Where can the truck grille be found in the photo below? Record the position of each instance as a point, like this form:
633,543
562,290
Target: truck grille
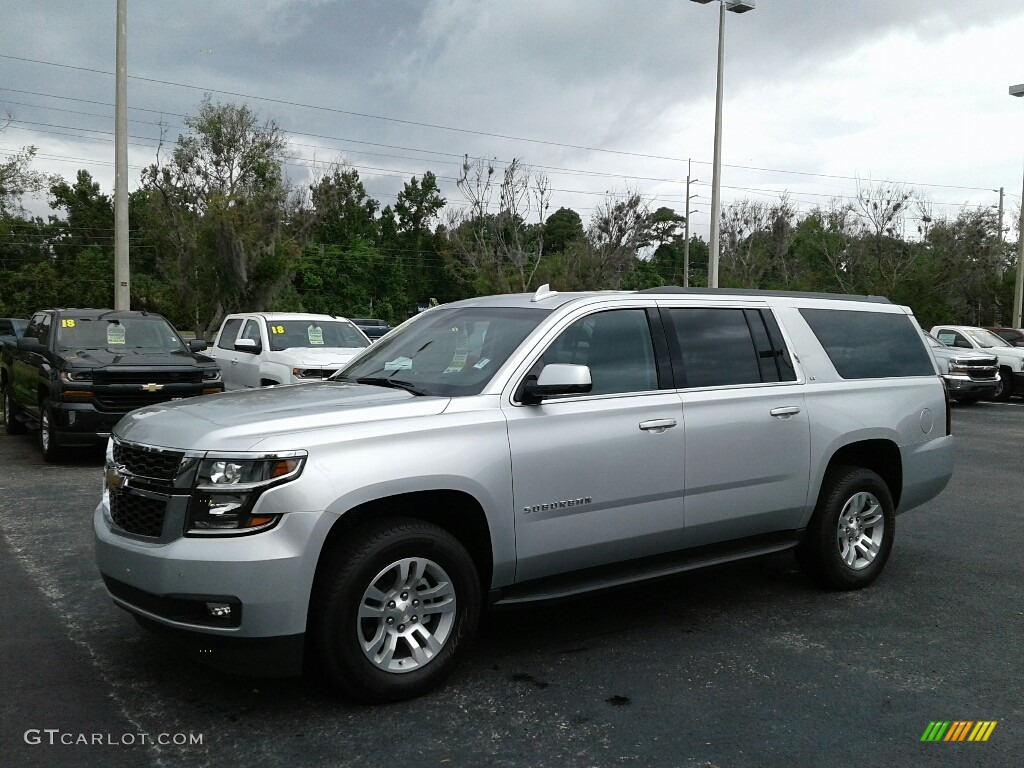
140,515
976,368
149,376
150,463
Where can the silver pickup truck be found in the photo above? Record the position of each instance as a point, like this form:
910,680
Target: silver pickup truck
518,448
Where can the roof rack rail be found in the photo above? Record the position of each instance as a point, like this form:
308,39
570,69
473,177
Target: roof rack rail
761,292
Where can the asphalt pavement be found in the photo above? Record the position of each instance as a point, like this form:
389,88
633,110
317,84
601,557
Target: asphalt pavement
742,665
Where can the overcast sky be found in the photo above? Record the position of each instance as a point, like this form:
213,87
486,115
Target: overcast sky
603,96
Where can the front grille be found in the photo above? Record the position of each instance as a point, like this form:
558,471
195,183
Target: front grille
148,462
977,368
150,376
140,515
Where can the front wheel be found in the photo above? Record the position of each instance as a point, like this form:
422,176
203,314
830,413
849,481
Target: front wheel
848,540
393,609
47,433
1004,387
11,423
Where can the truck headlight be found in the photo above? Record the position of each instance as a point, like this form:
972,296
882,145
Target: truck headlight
76,376
227,489
211,375
307,373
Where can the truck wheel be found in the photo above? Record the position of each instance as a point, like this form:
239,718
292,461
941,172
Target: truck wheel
11,423
1004,387
393,609
848,540
47,436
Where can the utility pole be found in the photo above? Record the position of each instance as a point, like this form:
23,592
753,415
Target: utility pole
1000,216
686,244
122,292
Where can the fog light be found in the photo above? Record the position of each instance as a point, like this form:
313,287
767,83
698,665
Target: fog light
219,610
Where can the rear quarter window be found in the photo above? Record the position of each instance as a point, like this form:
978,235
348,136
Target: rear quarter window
870,345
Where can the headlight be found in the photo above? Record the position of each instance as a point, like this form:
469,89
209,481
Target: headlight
227,490
79,376
307,373
211,374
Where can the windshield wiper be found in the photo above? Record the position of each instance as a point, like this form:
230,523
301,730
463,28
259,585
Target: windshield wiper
380,381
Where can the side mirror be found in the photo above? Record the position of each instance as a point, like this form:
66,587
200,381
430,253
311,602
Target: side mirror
30,344
557,379
197,345
248,345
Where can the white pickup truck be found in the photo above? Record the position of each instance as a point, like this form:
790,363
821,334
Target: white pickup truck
263,349
1011,358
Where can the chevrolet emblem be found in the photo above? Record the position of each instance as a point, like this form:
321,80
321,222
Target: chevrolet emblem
152,387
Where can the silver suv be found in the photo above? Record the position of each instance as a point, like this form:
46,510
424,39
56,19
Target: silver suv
510,449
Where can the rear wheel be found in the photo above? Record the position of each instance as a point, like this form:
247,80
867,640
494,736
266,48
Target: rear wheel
47,433
849,538
393,610
11,423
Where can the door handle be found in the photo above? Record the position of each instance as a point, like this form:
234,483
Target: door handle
657,425
785,411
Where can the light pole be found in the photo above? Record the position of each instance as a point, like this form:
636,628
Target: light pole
736,6
1018,90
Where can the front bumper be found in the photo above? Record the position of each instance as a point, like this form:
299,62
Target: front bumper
266,578
964,387
80,424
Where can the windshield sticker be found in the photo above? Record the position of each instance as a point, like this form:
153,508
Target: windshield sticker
277,330
69,323
316,334
482,364
115,333
461,353
398,364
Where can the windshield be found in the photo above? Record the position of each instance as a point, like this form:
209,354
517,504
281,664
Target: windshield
19,327
149,333
985,338
316,334
447,352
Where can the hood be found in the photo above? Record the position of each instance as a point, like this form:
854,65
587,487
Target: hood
326,357
104,358
239,420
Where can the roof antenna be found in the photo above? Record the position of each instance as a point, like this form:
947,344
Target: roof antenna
544,292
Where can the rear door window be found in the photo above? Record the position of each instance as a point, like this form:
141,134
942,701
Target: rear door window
718,347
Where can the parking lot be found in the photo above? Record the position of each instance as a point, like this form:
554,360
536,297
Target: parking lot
742,665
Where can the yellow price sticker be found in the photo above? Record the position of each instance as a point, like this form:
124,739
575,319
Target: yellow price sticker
277,329
69,323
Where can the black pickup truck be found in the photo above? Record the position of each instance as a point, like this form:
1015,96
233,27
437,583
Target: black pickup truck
76,372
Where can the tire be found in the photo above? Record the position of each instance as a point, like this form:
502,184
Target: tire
850,536
394,607
11,423
1004,389
47,434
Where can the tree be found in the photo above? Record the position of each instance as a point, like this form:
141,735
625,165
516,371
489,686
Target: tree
87,221
501,250
17,178
222,197
756,238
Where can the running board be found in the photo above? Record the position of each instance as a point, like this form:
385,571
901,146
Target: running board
646,569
